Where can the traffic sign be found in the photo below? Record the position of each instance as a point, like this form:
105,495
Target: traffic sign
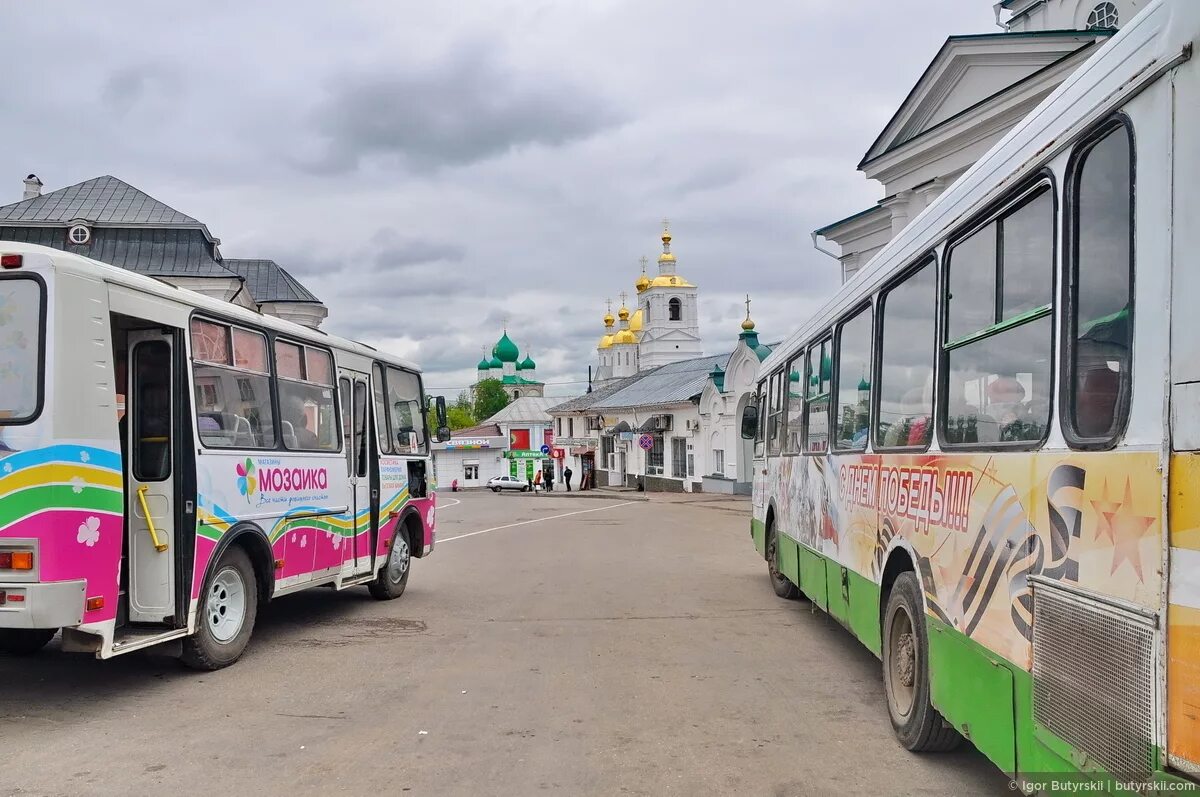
646,442
545,449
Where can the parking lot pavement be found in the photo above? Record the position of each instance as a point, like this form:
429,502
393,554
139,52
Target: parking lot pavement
564,645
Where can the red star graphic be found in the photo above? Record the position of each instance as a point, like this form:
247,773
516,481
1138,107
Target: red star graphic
1128,531
1105,509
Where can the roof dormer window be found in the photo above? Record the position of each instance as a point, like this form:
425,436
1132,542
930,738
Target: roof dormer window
1103,17
79,234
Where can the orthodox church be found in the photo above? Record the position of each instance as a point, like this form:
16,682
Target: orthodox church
664,328
518,376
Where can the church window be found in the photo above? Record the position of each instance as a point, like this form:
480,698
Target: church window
675,309
1103,17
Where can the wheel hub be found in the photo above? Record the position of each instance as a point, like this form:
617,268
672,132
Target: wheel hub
906,660
398,560
226,606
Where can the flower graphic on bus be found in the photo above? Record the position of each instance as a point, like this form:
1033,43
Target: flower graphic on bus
89,532
247,482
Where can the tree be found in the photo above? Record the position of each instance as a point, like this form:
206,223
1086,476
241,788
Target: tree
459,418
490,398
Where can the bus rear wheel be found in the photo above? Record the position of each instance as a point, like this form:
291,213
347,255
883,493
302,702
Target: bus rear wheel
25,641
228,608
917,724
779,582
393,578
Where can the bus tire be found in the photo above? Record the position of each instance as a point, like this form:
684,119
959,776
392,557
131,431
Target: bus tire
389,584
228,609
24,641
779,582
917,724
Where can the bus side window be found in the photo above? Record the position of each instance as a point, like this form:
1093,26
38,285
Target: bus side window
816,411
760,400
907,340
1100,338
854,382
999,320
794,391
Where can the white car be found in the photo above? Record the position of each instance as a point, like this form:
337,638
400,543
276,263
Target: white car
498,483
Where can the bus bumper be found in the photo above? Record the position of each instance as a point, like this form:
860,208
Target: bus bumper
56,604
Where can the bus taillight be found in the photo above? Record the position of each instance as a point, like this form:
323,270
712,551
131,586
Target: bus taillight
16,560
11,261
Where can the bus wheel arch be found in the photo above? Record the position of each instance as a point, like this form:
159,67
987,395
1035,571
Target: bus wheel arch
904,638
392,578
228,608
780,583
253,540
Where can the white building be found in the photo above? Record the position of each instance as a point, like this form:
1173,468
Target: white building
509,442
973,92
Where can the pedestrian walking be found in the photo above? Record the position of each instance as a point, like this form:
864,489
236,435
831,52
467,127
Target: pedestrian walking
567,474
550,480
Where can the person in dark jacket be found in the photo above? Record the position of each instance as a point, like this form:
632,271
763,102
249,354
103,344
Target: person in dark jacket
567,474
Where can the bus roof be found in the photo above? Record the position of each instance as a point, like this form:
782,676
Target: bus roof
77,264
1155,41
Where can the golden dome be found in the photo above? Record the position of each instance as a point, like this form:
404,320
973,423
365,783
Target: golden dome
605,342
609,320
635,321
625,336
670,281
642,284
747,324
666,257
623,313
666,237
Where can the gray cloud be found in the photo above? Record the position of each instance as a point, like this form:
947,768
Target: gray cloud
465,107
429,173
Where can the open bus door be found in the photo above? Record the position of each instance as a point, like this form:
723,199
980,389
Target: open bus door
352,387
151,399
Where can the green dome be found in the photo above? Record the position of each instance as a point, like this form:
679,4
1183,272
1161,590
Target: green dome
526,365
505,350
863,384
484,365
494,363
794,376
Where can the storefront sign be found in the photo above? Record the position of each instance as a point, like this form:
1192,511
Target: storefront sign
524,455
558,453
570,442
466,443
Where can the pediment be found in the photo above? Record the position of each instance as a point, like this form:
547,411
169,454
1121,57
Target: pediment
968,71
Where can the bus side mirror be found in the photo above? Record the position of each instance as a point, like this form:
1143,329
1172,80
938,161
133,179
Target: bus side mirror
443,426
749,422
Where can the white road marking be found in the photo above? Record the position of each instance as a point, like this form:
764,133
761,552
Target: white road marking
537,520
447,506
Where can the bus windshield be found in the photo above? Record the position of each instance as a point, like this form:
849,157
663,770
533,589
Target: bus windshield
20,349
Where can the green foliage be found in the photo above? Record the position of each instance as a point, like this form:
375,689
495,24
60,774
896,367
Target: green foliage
459,417
490,398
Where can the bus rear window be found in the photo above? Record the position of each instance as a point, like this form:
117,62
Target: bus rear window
21,333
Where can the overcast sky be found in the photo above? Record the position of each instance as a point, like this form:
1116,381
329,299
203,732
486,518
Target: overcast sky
427,169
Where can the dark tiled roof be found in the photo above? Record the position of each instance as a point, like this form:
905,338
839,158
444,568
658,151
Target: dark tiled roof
484,430
674,383
155,252
599,394
268,281
101,200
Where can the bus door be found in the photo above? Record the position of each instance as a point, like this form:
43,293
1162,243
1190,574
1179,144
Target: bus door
150,398
353,389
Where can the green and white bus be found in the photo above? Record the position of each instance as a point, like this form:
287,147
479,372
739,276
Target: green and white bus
982,456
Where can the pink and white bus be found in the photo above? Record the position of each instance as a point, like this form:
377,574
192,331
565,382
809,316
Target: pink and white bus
169,462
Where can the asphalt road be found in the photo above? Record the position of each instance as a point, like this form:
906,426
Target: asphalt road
550,645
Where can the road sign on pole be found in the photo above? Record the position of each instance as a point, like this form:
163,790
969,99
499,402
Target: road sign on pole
646,442
545,449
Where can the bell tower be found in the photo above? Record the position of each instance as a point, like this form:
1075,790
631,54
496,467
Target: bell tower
671,313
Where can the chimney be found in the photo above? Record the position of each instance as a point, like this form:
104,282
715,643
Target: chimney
33,187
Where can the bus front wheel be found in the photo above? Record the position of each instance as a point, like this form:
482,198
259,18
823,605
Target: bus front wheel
779,582
393,578
918,725
25,641
228,608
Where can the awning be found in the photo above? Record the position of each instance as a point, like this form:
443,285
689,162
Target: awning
651,425
622,427
579,451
